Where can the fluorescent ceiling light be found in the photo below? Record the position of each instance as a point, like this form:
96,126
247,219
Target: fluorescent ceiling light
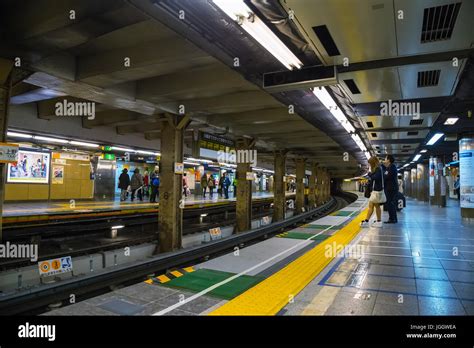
326,99
19,135
191,163
451,120
53,140
80,143
117,227
252,24
434,138
118,148
423,151
145,152
417,157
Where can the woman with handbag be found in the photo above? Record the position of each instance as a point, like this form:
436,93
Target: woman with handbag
377,196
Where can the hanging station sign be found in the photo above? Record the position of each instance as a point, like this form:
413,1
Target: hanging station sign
214,142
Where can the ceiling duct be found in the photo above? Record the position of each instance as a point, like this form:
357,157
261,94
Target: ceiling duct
428,78
438,22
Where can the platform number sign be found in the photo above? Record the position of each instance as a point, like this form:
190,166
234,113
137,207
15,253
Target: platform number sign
55,266
215,233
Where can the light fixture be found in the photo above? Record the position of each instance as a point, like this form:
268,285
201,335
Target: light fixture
326,99
118,148
80,143
451,120
19,135
117,227
191,163
423,151
145,152
252,24
53,140
416,158
435,138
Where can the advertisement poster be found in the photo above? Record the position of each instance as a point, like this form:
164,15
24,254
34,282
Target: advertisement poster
32,168
466,172
58,175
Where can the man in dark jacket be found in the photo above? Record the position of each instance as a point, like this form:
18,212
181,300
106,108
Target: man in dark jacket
124,181
391,188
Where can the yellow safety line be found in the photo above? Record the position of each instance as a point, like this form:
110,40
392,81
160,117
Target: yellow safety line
272,294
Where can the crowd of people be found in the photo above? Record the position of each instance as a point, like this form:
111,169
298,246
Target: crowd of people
148,185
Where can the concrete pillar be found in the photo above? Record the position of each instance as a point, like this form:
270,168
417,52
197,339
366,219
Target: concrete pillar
466,175
170,222
244,187
279,200
312,187
300,175
5,91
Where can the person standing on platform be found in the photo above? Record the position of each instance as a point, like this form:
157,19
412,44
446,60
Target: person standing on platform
220,188
457,187
376,196
136,184
391,188
185,185
155,186
211,184
225,185
146,183
204,180
124,181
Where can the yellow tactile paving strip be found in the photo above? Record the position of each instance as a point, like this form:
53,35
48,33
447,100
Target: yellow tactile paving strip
271,295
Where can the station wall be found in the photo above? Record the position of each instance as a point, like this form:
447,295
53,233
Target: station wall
75,184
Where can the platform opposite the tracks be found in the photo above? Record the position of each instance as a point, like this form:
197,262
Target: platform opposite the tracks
18,212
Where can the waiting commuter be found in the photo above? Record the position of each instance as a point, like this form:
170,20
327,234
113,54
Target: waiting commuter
220,188
185,185
225,185
211,184
146,183
391,188
136,184
457,188
124,181
377,195
204,180
155,186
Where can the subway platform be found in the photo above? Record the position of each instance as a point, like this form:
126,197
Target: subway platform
27,212
419,266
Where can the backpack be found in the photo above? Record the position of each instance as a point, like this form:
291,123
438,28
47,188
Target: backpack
156,181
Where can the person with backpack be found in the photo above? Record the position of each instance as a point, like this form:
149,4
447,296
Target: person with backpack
155,186
211,184
124,181
377,194
136,184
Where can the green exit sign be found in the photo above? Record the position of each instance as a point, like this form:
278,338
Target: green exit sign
109,156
